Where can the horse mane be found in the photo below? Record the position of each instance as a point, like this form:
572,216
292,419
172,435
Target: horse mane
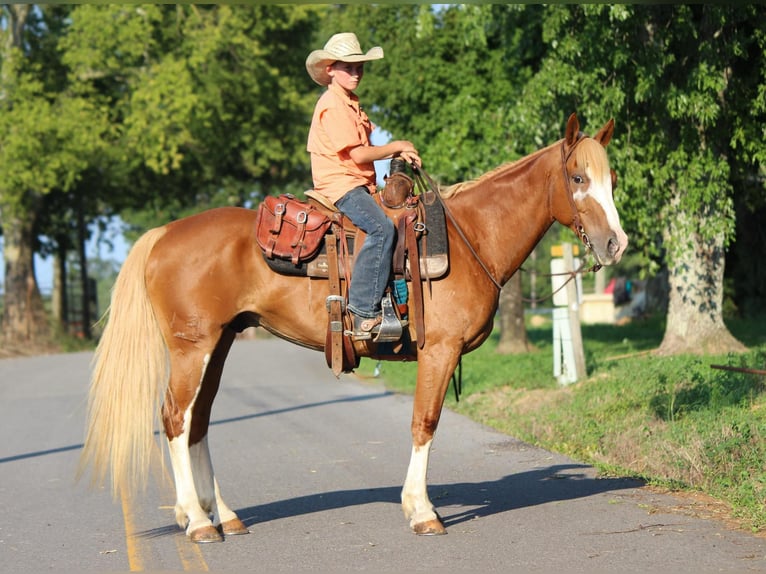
452,190
589,153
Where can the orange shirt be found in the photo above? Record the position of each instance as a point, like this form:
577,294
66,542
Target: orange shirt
338,125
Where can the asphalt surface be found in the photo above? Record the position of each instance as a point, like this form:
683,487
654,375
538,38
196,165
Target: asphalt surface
314,466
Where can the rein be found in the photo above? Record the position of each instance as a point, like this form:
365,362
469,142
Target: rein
420,174
421,177
571,275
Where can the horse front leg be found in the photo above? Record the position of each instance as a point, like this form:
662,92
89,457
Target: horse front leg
434,373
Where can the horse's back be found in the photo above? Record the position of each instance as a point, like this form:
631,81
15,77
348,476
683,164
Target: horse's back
212,238
207,270
211,228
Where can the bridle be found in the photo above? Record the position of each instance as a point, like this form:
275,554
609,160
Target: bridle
424,182
576,224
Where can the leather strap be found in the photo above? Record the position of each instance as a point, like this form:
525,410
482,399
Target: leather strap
335,304
420,175
411,242
400,249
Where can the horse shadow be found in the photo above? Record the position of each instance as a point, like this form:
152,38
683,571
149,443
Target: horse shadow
457,502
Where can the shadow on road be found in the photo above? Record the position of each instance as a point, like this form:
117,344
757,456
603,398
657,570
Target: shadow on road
457,503
293,408
471,499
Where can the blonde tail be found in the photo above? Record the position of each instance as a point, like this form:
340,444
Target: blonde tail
129,380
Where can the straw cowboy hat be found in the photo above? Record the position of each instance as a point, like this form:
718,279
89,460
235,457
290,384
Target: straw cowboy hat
342,47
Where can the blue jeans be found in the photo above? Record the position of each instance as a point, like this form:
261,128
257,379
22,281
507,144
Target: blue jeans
373,262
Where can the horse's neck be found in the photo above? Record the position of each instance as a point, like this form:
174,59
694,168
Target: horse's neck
506,212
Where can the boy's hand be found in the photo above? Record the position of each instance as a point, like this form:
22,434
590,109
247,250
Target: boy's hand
410,155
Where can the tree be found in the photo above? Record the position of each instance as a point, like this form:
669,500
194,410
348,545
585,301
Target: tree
154,109
513,332
211,101
694,96
684,83
671,76
47,136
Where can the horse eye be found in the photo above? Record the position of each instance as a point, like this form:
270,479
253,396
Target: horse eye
578,179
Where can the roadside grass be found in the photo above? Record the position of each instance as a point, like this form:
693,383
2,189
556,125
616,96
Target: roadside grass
672,421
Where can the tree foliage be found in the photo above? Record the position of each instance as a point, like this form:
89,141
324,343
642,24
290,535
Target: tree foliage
210,100
150,110
155,111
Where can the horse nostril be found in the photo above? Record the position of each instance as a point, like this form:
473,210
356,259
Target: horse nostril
612,246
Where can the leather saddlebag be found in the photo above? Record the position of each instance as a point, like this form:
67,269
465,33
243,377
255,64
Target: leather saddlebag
288,228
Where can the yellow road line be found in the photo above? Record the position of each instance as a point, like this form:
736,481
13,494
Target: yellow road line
189,554
135,552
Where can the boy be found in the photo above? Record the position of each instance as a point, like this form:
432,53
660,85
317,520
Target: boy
343,171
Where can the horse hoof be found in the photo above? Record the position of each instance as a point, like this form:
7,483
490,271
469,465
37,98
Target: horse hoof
432,527
206,534
234,527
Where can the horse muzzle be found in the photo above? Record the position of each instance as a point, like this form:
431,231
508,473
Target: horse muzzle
609,250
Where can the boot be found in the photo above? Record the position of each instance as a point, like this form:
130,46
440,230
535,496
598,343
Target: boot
365,327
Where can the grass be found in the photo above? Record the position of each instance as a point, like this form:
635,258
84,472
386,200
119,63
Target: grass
673,421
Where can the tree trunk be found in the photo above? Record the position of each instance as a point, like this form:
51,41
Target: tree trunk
59,297
24,319
513,331
85,298
695,306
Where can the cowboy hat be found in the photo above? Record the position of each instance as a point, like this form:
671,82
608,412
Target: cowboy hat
342,47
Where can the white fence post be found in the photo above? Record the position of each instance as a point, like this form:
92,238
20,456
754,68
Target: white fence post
568,354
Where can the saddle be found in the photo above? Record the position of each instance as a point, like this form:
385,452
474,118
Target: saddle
311,238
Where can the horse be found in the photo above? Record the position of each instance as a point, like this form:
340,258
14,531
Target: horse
187,288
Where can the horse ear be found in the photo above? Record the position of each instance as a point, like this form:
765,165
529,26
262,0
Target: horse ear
573,130
604,135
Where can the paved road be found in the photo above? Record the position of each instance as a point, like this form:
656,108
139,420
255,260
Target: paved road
314,467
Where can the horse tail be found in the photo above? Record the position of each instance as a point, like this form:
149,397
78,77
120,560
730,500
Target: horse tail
128,381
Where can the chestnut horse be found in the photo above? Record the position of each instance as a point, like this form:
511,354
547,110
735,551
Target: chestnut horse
188,287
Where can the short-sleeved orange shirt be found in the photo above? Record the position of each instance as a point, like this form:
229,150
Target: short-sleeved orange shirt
338,125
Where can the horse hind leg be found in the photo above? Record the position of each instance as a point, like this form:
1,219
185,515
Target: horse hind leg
191,512
192,509
224,518
186,423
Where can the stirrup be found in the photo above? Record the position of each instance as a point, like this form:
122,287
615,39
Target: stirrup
390,326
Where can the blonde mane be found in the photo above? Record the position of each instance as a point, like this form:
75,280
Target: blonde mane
589,153
452,190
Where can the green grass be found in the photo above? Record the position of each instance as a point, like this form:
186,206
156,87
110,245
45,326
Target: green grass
673,421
